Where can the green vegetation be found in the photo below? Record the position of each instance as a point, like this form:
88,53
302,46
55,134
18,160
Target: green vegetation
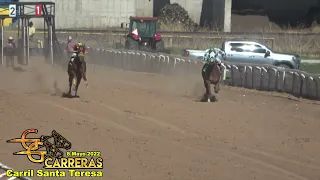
176,50
311,68
311,56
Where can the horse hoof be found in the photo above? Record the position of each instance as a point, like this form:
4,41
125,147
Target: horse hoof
209,100
214,99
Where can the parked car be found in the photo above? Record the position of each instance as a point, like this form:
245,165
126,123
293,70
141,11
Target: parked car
198,54
253,52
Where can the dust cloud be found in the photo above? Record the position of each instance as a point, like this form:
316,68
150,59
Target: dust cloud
37,77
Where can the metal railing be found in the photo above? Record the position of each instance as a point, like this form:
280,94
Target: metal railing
3,175
260,77
187,33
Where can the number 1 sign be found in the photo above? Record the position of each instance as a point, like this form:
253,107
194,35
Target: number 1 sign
38,9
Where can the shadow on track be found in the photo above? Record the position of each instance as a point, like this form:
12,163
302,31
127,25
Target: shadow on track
66,95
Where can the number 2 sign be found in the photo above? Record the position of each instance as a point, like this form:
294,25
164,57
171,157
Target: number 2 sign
38,9
12,10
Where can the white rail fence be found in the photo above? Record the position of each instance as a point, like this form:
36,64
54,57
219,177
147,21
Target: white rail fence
264,77
3,176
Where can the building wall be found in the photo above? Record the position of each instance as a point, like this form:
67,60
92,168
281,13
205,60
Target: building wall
95,13
105,13
143,7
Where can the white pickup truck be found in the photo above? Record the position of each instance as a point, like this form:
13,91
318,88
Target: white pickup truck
250,52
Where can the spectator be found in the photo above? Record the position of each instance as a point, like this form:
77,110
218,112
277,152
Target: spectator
32,30
10,52
69,48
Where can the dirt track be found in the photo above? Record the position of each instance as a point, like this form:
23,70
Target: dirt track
152,127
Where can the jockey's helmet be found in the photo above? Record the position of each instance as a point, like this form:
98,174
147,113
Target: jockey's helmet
10,38
69,38
211,49
79,44
73,55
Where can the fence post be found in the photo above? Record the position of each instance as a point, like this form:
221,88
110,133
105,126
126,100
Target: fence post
224,74
158,63
233,68
302,83
263,78
249,72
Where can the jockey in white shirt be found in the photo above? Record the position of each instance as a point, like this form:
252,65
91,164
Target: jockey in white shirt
211,55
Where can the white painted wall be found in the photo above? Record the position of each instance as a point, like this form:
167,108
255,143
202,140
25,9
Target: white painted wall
143,7
95,13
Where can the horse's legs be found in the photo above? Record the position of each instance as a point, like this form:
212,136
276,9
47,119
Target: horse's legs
84,71
217,87
76,91
208,90
217,77
70,83
77,85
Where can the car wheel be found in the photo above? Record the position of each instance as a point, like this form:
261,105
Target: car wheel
159,46
284,66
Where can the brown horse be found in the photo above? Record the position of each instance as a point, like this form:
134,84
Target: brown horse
76,71
212,75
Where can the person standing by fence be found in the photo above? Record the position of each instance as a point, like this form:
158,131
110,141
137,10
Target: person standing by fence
69,47
32,30
10,52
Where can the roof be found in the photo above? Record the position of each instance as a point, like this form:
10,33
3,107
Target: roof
144,18
242,41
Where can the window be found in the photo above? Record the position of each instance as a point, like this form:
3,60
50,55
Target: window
145,28
134,25
259,49
247,47
237,47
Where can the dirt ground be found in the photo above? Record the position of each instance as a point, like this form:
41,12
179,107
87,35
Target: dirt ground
153,127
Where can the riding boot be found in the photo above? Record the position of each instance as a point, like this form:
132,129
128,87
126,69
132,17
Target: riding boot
204,67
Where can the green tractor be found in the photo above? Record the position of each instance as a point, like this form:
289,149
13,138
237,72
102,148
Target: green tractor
142,35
